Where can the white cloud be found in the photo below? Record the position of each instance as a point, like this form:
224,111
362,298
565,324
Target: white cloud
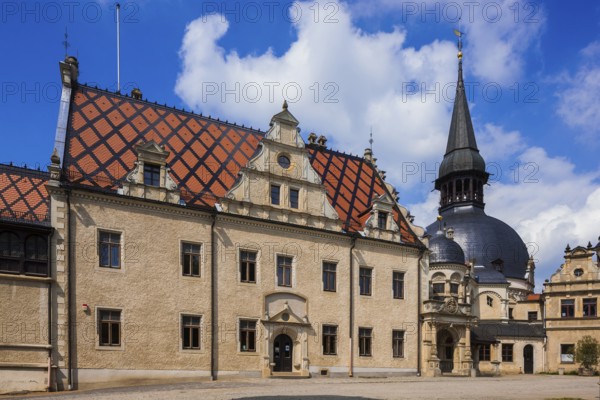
579,97
370,72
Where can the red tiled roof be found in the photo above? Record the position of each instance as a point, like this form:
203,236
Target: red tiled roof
23,195
205,154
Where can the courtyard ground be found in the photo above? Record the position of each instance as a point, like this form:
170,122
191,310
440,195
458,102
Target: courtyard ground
508,387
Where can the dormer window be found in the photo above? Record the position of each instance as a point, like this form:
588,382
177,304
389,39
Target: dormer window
151,174
382,220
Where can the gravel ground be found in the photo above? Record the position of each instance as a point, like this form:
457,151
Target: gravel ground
512,387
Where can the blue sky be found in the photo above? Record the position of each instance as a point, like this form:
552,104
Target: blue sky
533,67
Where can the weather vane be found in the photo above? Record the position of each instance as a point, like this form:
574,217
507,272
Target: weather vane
459,34
371,140
66,42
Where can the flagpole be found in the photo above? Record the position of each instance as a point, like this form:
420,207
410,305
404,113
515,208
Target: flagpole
118,49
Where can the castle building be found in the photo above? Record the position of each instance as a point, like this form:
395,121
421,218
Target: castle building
166,245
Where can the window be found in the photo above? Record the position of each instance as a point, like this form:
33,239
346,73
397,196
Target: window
329,340
284,271
294,196
151,174
532,315
10,252
567,308
275,192
566,353
454,288
248,266
382,220
589,307
247,335
329,271
365,336
438,290
110,250
364,282
398,285
507,352
284,161
398,344
578,272
490,301
191,259
190,332
484,352
510,313
36,255
110,327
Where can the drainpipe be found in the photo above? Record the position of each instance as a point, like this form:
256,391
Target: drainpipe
419,333
351,318
49,317
213,311
69,294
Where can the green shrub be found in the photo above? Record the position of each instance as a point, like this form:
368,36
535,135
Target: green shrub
587,352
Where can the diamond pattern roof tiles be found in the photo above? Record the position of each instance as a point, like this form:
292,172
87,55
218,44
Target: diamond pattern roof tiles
205,155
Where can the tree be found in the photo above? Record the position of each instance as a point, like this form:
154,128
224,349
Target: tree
587,352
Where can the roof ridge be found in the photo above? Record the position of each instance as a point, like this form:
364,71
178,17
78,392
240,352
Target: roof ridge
30,171
173,108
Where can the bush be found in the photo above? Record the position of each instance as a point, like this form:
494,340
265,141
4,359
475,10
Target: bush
587,352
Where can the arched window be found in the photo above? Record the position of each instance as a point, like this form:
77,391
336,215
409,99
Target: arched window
36,255
438,286
455,284
10,252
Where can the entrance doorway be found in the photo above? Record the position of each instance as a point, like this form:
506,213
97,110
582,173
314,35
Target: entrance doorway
446,351
528,359
282,353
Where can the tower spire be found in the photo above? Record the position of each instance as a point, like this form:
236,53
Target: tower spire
462,171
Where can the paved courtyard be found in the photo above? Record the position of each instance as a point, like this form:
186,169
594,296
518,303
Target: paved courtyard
514,387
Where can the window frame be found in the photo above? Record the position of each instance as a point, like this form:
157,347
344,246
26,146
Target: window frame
490,301
100,326
183,255
485,352
152,171
398,343
18,260
398,283
191,327
530,313
508,351
273,192
110,245
567,308
297,198
284,267
365,279
564,348
243,335
592,305
328,275
246,264
365,341
382,220
329,339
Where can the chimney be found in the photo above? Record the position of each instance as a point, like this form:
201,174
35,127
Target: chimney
136,94
450,233
368,155
312,138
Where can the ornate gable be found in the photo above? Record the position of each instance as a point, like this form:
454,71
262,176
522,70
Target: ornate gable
279,182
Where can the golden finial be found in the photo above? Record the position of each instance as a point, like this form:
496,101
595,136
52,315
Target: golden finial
459,35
